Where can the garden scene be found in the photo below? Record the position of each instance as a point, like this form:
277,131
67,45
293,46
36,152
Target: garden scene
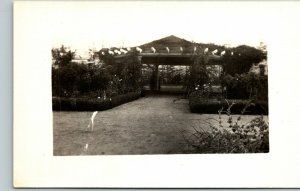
168,96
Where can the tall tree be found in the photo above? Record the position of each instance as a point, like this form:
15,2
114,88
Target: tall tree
62,56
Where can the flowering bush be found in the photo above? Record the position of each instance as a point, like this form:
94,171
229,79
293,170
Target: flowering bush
232,137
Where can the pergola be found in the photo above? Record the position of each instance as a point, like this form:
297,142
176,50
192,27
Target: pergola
172,51
173,59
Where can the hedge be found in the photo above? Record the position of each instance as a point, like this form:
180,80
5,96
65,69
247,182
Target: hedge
200,104
91,104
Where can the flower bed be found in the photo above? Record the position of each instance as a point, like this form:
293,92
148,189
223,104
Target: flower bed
200,104
92,104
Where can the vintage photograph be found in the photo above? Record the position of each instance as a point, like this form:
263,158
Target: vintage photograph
148,94
167,96
158,81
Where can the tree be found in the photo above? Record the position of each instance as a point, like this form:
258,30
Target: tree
242,60
62,56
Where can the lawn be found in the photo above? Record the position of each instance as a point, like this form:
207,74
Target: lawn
149,125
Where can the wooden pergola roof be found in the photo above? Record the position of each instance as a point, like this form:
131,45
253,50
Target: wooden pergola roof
170,50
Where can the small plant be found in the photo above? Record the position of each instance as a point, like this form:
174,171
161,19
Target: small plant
231,137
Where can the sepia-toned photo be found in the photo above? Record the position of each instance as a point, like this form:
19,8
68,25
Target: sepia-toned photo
153,94
167,96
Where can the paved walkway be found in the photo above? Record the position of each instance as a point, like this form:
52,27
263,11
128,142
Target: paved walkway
149,125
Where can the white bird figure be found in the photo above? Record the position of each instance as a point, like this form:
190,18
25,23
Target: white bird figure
139,49
181,49
223,53
168,50
153,49
92,120
232,53
86,147
103,53
214,52
122,50
195,48
240,54
128,48
111,52
206,50
117,51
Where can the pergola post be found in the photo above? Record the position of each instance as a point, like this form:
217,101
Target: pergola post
157,76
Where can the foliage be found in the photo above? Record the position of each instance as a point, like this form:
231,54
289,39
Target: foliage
126,74
232,137
62,56
246,86
242,59
91,104
76,79
201,103
96,80
198,74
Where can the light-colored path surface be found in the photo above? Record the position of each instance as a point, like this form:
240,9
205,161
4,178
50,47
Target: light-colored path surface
149,125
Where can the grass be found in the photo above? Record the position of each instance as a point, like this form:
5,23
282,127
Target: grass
149,125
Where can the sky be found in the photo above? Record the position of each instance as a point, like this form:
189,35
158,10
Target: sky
83,25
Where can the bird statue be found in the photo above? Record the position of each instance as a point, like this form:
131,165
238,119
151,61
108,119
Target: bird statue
168,50
206,50
153,49
111,52
85,148
124,51
223,53
214,52
139,49
91,124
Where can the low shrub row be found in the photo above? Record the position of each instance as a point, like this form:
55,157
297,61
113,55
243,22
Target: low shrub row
91,104
199,104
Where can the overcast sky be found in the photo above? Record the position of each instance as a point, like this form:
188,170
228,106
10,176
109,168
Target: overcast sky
83,25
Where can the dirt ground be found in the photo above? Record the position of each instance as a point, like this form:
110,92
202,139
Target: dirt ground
149,125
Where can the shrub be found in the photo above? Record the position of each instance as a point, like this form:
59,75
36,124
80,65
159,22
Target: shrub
118,100
246,86
91,104
70,79
232,137
202,104
242,60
